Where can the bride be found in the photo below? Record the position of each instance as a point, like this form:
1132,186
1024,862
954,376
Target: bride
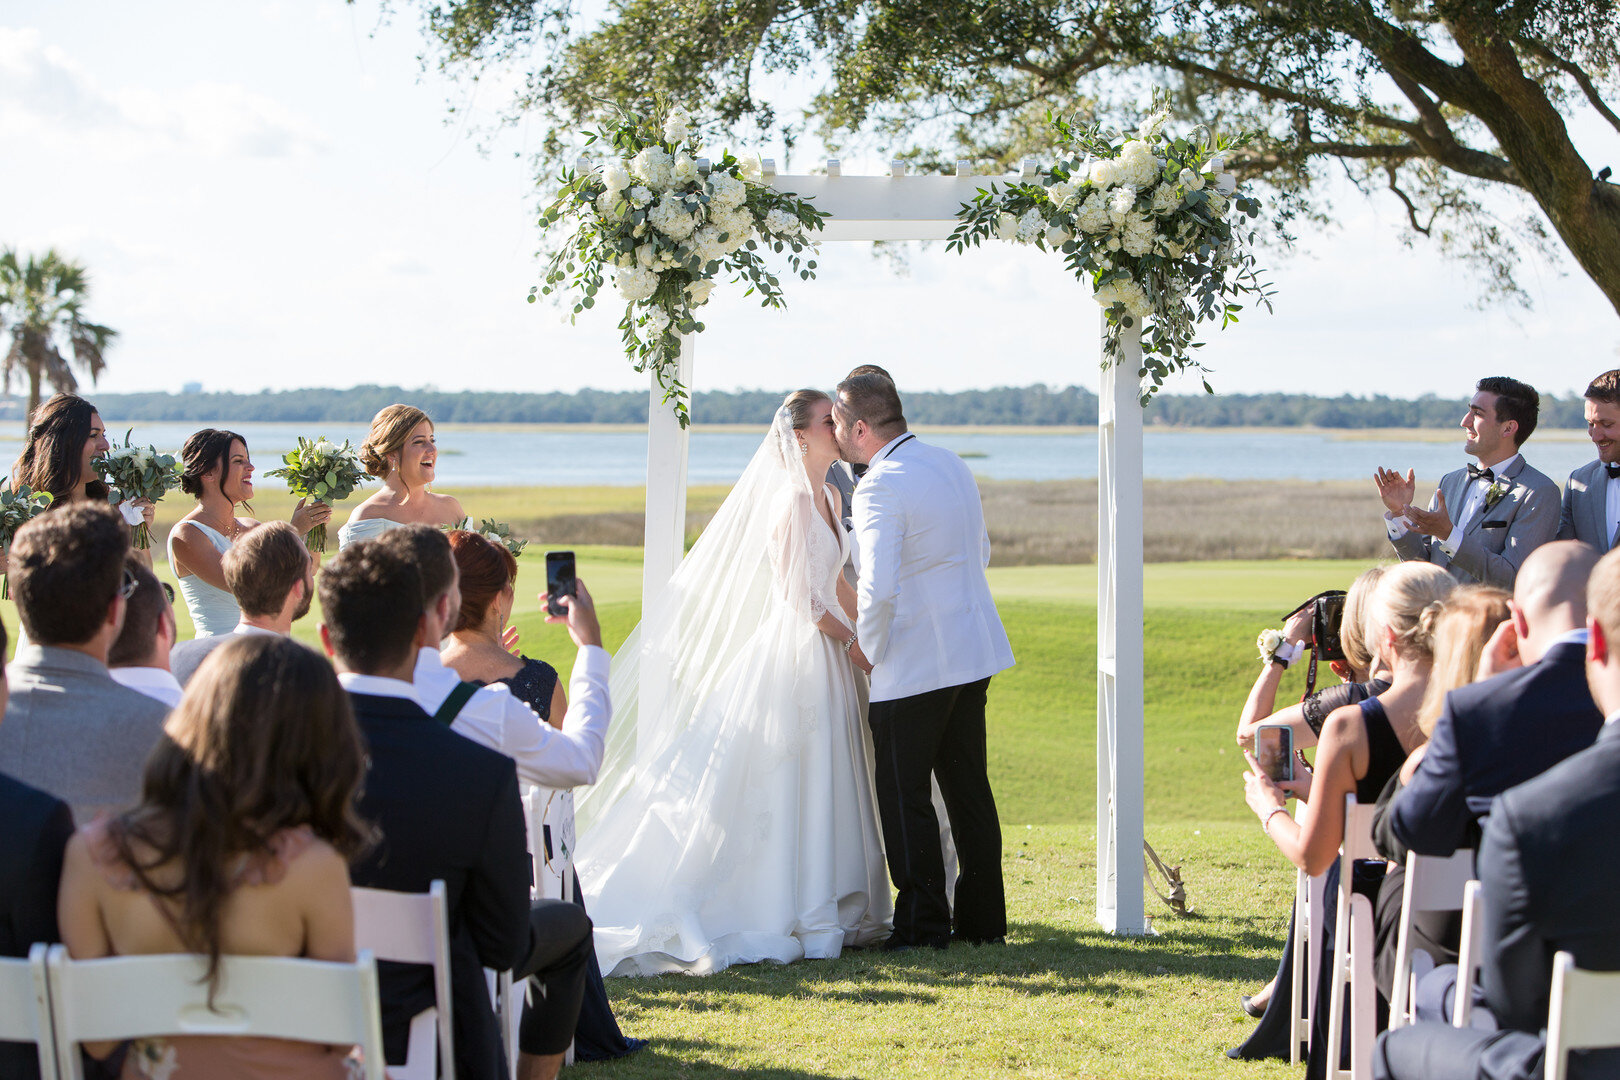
734,818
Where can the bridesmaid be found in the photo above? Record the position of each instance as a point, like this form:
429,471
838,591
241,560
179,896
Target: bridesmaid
401,451
218,473
477,650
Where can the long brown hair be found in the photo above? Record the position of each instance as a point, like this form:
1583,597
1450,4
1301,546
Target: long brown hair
1471,616
263,740
53,456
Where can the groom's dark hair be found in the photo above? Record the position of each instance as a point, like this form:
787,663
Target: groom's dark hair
1515,401
1605,389
874,399
868,369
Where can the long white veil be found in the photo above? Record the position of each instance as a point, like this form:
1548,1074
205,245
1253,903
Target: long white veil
754,555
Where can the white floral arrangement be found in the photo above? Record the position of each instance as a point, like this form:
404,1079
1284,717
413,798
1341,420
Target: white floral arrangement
1153,224
666,223
137,472
1268,643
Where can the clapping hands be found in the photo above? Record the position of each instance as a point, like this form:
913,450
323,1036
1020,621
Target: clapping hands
1396,490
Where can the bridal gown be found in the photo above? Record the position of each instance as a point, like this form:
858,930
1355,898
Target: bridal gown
753,834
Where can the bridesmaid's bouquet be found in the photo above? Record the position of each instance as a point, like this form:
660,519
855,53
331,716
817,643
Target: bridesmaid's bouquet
17,508
322,470
495,532
137,472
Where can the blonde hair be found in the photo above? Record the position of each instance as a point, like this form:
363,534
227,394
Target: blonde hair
1472,614
1353,627
1408,601
389,430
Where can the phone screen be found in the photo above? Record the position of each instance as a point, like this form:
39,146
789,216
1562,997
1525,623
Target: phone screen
559,579
1274,750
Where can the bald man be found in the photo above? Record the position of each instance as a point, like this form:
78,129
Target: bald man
1504,730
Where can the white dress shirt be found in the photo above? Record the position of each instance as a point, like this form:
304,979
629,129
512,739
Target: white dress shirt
157,683
495,718
1473,503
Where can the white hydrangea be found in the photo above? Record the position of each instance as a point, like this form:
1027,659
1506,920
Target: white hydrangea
671,217
1171,248
781,223
1166,197
1120,205
737,225
1093,214
697,292
684,170
1139,236
751,168
1127,292
1006,226
1060,193
615,176
678,125
640,197
1030,225
726,192
1137,165
636,283
706,243
652,167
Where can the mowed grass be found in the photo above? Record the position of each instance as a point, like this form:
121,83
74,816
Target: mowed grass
1061,999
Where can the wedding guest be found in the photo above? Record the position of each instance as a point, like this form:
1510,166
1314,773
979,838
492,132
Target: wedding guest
218,473
1545,891
240,844
271,575
1503,508
69,728
448,809
1502,731
401,450
139,658
37,829
1591,507
1362,746
1357,669
486,575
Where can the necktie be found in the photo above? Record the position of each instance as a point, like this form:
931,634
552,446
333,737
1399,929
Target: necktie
1477,473
1613,469
860,470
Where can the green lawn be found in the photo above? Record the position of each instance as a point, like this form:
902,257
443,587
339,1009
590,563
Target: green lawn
1061,999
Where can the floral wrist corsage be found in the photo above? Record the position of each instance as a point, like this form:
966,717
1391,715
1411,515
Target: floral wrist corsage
1276,649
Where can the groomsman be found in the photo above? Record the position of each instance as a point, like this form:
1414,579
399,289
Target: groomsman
1486,519
1591,511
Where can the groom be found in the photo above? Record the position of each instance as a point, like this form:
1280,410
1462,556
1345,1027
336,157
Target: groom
928,628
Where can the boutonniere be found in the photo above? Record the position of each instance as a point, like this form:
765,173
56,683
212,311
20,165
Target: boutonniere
1497,491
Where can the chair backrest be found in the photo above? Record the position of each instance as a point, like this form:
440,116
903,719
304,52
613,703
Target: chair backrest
412,928
1470,953
1584,1012
1433,883
126,997
1358,844
25,1007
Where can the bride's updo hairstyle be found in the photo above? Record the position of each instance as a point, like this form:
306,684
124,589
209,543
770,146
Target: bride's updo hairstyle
389,430
797,405
1409,601
486,570
205,450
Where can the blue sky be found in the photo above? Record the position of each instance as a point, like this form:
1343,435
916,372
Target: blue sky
270,195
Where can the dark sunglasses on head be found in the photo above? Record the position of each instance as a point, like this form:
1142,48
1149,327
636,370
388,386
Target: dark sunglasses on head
129,585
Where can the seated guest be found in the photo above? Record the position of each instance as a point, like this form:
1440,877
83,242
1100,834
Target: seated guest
139,659
240,846
70,728
476,648
271,575
37,829
1547,889
1501,731
560,757
1484,520
448,808
1591,509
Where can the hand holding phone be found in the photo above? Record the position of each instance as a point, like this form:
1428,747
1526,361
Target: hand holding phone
1274,752
560,578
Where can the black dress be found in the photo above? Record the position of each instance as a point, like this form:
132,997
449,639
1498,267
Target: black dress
597,1036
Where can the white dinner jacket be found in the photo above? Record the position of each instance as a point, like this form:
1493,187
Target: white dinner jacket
923,608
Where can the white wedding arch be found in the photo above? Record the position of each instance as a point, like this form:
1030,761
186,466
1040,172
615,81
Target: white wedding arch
899,206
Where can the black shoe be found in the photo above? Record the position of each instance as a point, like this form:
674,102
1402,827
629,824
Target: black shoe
999,939
1256,1011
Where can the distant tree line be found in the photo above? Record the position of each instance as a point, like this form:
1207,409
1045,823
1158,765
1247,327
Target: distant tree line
1036,405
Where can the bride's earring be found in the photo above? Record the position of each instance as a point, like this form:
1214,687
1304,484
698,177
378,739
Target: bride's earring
804,449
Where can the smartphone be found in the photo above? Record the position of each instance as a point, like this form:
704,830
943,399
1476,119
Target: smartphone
559,579
1274,750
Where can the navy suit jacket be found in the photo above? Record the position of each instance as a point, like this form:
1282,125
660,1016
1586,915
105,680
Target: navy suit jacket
447,808
1490,736
1550,881
34,828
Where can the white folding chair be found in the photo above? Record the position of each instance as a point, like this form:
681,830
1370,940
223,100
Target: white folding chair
413,928
549,814
128,997
1584,1013
1352,954
1308,900
1469,956
1433,883
25,1006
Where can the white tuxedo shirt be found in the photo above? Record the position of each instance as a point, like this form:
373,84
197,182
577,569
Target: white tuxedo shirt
923,608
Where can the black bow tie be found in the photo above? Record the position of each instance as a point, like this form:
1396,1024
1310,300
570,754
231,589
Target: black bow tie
1477,473
1613,469
860,470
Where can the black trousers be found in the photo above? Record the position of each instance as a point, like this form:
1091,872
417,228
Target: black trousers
939,734
560,951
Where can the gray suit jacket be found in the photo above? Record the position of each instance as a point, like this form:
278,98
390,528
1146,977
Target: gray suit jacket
1585,515
1498,538
72,731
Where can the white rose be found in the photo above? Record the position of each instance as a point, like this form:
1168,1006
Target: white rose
1191,180
1006,226
636,284
684,170
609,206
1060,193
698,291
640,196
615,176
1104,174
751,168
646,255
1057,236
1113,243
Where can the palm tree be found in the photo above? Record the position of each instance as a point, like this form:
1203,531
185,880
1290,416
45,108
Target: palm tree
41,306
